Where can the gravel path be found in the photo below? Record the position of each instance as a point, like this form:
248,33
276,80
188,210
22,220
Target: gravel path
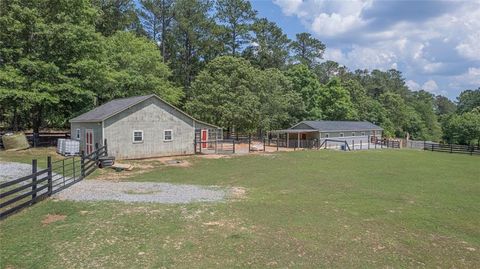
100,190
10,170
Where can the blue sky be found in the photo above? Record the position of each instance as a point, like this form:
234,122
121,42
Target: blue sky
436,44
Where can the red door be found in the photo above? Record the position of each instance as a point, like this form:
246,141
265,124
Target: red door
89,141
204,138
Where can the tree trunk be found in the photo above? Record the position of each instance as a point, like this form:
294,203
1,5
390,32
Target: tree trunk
37,118
163,30
15,120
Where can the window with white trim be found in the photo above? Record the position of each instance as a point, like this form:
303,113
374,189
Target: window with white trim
77,133
167,135
353,133
363,133
341,134
137,136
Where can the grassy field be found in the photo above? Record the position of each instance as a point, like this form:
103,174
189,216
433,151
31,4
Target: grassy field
311,209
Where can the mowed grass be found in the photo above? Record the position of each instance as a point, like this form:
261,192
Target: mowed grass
308,209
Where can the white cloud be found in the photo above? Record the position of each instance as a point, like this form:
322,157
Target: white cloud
470,47
333,24
430,86
372,34
289,7
470,79
414,86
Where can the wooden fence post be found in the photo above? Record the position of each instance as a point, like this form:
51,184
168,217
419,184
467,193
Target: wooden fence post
353,144
105,144
278,140
249,142
82,164
233,145
451,148
49,166
34,179
263,144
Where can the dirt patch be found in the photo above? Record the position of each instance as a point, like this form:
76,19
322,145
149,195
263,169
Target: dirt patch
238,193
51,218
177,163
138,168
214,156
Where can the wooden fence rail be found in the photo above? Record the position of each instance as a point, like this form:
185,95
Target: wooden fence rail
25,191
452,148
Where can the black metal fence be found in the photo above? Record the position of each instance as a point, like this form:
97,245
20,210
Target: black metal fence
452,148
25,191
225,146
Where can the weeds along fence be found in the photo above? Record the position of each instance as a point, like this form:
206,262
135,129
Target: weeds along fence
452,148
43,182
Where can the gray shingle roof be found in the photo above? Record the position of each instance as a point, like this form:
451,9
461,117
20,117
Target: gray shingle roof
341,125
109,109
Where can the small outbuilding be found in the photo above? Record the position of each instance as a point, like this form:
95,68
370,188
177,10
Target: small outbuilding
307,134
141,127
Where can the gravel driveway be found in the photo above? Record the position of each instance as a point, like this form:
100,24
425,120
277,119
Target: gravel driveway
10,170
100,190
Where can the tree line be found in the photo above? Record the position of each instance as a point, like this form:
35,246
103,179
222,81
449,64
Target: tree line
215,59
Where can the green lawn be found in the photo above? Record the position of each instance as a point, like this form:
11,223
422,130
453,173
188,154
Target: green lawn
310,209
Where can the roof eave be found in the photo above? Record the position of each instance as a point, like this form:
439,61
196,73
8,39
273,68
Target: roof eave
85,121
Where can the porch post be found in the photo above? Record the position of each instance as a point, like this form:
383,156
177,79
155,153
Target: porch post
278,139
298,140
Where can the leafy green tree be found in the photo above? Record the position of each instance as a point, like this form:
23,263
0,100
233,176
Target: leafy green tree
328,70
280,105
307,49
397,111
306,84
156,17
463,128
424,104
269,47
191,33
42,43
237,17
134,67
224,93
115,15
443,106
335,102
379,82
468,100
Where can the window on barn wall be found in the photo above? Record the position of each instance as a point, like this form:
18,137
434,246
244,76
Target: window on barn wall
341,134
363,133
167,135
137,136
327,135
77,133
353,133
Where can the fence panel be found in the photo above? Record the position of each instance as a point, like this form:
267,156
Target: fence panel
452,148
25,191
226,146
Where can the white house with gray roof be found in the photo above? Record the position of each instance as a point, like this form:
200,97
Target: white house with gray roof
140,127
308,133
